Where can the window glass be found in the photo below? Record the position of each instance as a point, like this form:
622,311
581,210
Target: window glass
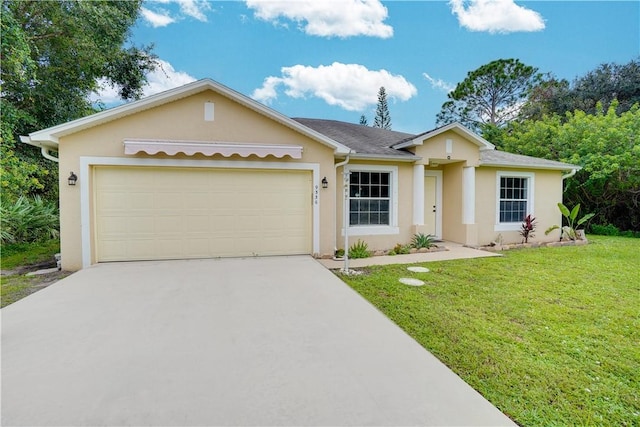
513,199
369,198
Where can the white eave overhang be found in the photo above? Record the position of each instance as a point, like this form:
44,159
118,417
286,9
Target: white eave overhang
226,149
559,167
384,157
49,138
482,143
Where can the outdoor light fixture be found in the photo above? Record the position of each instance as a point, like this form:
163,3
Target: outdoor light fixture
73,178
325,183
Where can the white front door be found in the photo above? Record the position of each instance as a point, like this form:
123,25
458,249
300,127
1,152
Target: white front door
433,203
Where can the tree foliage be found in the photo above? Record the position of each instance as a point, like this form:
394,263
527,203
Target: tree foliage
605,144
606,83
363,120
489,96
53,53
383,118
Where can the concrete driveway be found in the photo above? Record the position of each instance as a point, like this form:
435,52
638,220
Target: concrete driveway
265,341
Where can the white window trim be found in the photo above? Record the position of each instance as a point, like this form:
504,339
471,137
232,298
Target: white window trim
514,226
376,230
85,174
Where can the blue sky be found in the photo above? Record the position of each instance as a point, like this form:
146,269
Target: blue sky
328,58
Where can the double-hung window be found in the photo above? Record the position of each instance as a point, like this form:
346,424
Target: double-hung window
372,199
369,198
515,199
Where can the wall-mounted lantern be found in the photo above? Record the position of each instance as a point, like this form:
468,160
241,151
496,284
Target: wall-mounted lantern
73,178
325,183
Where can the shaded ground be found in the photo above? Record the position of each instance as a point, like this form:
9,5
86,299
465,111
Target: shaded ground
16,284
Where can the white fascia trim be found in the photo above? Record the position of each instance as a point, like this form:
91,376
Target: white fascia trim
371,230
51,134
385,157
410,143
85,173
530,166
514,226
120,111
475,138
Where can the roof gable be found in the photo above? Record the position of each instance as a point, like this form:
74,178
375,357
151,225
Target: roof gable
456,127
49,138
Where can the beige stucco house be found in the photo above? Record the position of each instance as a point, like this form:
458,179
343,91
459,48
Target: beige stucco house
203,171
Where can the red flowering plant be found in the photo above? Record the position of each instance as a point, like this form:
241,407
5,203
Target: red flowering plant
527,228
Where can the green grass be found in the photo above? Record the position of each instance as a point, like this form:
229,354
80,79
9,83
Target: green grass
20,254
18,257
551,336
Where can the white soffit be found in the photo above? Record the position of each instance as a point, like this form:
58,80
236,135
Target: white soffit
226,149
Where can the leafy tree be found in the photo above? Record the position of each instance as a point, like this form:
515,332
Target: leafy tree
602,85
605,144
363,120
491,95
382,119
53,54
549,96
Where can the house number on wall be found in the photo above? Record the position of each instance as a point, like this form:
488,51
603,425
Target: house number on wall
316,194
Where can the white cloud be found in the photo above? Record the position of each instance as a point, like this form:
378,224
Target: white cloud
156,19
159,17
195,8
327,18
496,16
349,86
165,77
439,83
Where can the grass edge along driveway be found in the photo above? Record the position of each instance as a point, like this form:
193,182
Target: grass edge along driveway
551,336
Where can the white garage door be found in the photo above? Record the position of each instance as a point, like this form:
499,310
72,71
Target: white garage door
145,213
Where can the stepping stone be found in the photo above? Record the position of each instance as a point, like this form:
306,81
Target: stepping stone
411,282
418,269
45,271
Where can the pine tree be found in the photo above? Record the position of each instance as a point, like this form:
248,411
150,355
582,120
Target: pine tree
363,120
383,119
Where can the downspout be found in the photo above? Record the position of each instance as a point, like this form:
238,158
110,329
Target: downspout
45,153
335,216
570,174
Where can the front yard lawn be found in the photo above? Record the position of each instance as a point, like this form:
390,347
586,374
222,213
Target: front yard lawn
551,336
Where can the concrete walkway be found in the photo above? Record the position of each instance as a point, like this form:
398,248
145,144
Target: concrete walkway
264,341
456,251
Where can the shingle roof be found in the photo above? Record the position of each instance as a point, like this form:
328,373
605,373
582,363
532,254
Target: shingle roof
502,158
367,140
361,139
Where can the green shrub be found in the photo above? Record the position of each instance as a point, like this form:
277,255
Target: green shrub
612,230
359,249
421,240
605,230
400,249
28,220
629,233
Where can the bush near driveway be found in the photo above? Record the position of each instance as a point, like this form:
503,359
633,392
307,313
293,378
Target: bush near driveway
28,220
551,336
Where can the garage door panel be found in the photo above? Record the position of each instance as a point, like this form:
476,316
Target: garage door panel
166,213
